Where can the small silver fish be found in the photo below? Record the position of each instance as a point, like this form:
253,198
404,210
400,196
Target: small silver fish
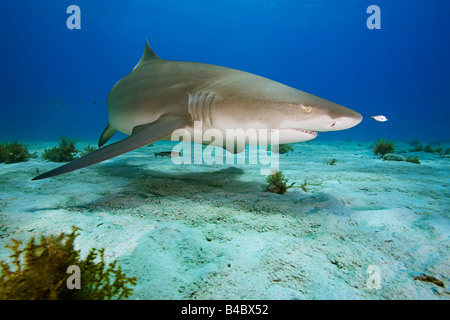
170,154
380,118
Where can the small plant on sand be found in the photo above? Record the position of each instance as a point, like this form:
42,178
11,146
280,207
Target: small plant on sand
277,183
413,159
306,183
331,162
383,147
429,148
281,149
417,148
40,272
87,150
65,152
285,148
447,151
13,153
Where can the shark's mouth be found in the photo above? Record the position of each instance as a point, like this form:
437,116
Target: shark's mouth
294,135
311,132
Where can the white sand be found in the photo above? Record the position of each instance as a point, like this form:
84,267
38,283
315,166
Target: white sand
211,232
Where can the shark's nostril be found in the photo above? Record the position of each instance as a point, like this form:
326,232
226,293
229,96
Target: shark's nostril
333,124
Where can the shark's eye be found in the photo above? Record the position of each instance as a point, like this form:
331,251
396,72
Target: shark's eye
307,109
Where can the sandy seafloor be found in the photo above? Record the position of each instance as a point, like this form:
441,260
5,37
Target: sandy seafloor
211,232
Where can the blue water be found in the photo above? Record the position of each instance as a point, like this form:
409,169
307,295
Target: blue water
49,75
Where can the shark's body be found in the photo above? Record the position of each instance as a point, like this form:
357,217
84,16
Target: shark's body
161,96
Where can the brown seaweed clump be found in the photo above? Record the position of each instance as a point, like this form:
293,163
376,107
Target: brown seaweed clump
65,152
40,272
277,183
14,152
383,147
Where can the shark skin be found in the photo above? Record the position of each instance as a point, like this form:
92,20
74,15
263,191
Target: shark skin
161,96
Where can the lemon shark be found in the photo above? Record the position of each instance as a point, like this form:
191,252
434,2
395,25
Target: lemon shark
161,96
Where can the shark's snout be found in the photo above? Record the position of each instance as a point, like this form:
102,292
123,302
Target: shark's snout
345,122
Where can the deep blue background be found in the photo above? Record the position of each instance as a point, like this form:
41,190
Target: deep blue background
50,75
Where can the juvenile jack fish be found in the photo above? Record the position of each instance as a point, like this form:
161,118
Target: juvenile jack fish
380,118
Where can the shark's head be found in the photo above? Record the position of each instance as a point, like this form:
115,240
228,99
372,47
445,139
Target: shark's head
302,119
296,114
311,113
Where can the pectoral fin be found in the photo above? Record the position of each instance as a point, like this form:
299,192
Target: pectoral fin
141,136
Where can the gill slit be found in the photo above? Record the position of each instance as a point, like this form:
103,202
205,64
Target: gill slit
199,106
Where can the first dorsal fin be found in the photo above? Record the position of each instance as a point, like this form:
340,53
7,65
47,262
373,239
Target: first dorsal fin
148,54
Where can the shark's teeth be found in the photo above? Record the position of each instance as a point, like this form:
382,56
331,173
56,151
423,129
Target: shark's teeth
314,133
